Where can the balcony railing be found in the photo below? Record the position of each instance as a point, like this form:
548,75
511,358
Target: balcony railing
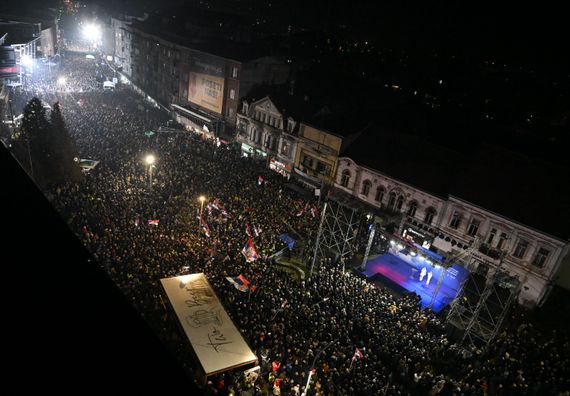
490,251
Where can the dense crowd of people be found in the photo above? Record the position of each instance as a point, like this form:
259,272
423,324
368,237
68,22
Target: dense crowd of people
358,337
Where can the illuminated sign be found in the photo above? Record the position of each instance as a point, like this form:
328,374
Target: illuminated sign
206,91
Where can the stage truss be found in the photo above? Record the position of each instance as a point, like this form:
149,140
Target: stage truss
483,302
482,305
338,230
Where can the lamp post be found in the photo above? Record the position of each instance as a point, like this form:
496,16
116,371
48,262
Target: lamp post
150,161
201,199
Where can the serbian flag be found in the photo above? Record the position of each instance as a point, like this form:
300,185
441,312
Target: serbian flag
205,227
239,282
249,251
248,230
260,180
357,354
153,222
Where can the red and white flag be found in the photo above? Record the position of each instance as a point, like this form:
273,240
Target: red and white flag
357,354
248,231
153,222
205,227
260,180
249,251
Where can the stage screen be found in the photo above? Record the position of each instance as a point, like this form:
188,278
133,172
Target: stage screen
218,344
206,91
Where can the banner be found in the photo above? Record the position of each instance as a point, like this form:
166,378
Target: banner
249,251
217,342
206,91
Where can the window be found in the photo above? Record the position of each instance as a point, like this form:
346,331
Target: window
366,187
520,250
380,191
345,178
455,220
412,209
399,203
491,236
540,257
308,161
473,227
290,125
285,148
322,168
234,72
502,240
392,200
232,93
430,214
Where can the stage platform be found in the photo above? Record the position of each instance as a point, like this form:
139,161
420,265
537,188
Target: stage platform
405,270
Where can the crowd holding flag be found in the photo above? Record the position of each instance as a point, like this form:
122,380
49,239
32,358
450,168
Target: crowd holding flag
205,227
260,180
249,251
248,231
239,282
153,222
357,354
257,230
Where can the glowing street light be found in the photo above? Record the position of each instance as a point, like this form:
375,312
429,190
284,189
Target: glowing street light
26,60
61,80
201,199
92,32
150,161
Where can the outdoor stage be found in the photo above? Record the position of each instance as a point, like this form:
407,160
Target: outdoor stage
400,267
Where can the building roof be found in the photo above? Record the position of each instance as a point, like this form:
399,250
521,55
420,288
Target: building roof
526,190
228,49
296,106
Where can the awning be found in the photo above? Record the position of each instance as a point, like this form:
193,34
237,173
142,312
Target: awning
190,112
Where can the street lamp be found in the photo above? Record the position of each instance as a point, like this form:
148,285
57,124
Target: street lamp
201,199
150,161
61,80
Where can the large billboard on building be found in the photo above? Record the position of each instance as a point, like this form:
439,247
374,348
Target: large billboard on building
206,82
217,342
206,91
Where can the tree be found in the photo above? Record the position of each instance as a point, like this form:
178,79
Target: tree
64,149
45,149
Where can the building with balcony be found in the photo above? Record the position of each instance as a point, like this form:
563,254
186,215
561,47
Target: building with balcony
448,200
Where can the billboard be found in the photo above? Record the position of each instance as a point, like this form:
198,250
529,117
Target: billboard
217,342
206,91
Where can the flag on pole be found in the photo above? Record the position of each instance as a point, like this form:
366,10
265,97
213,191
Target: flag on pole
205,227
257,230
239,282
248,230
249,251
302,211
260,180
153,222
357,354
314,211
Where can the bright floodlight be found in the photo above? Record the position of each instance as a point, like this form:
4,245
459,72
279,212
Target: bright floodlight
92,32
150,159
26,60
202,198
61,80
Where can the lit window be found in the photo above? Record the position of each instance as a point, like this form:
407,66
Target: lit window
232,93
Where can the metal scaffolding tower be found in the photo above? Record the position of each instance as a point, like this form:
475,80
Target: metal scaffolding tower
338,229
482,305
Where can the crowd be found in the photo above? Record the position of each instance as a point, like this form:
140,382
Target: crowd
290,324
